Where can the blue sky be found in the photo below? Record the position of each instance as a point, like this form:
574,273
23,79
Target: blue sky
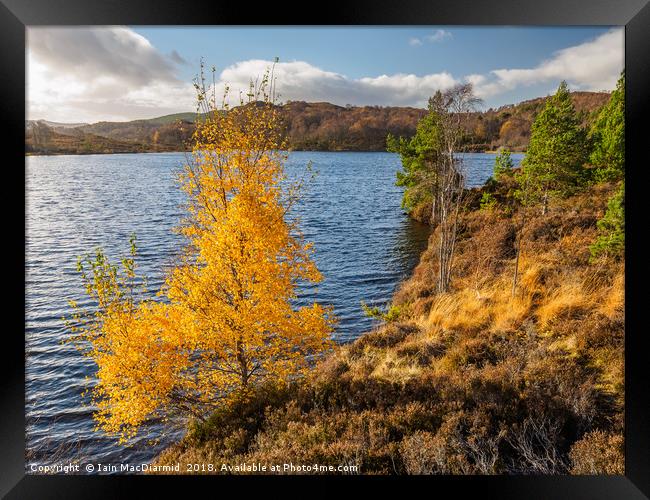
359,52
360,65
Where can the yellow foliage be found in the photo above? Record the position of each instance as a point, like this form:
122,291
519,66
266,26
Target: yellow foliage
227,321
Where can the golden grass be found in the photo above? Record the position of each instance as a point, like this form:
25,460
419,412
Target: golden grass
613,302
463,310
510,312
549,291
491,308
562,303
390,366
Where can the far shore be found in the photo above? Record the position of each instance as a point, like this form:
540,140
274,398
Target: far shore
57,153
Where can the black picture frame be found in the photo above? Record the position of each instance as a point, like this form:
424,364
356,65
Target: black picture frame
15,15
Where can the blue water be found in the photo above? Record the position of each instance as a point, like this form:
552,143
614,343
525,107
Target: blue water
364,246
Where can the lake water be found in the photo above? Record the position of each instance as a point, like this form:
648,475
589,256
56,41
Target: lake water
364,246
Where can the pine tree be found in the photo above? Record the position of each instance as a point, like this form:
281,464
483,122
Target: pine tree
554,162
418,155
608,137
611,241
503,165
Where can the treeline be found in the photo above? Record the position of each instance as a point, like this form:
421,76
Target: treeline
308,126
327,127
510,126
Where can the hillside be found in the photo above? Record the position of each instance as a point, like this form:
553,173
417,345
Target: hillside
473,381
509,126
309,126
43,139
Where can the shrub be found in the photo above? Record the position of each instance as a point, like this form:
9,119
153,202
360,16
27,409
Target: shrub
598,452
611,241
488,201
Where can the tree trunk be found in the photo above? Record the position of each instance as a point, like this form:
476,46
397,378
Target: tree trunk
516,273
545,201
243,364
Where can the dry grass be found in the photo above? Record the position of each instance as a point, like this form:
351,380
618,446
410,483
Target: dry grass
613,303
565,302
472,381
394,367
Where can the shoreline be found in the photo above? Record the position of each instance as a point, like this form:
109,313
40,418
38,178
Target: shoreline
291,151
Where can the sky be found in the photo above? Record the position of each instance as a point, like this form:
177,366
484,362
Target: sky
119,73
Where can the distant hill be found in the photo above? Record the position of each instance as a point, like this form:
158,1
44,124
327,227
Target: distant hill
323,126
61,125
509,126
40,138
317,126
166,119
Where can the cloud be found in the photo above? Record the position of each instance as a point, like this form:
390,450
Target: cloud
177,58
301,81
436,37
80,73
594,65
439,36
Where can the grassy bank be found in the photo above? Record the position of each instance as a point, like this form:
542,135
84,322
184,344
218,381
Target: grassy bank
473,381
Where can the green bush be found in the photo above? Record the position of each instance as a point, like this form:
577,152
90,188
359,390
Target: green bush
611,241
488,201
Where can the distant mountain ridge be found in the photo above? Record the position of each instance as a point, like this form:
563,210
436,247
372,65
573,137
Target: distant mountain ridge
56,124
317,126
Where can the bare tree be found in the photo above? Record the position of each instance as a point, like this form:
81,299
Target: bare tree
484,452
520,228
536,443
449,107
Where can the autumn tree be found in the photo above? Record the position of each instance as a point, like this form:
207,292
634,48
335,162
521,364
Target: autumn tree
227,320
554,162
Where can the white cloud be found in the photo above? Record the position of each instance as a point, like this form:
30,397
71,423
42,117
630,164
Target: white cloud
80,74
439,36
436,37
594,65
301,81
